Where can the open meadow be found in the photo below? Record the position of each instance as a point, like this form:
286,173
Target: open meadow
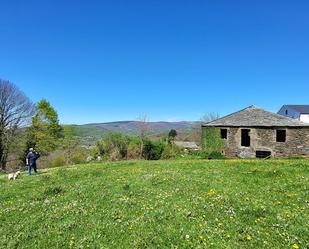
159,204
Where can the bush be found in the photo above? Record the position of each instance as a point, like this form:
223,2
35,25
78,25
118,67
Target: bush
94,152
152,150
113,143
115,155
79,156
171,151
74,152
134,149
58,161
203,154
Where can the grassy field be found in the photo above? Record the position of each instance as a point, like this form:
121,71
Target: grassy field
159,204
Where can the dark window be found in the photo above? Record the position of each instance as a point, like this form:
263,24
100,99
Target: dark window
245,137
262,154
281,136
224,133
286,112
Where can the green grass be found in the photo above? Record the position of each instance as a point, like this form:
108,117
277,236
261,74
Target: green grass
159,204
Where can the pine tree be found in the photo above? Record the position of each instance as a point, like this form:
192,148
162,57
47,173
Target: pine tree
45,132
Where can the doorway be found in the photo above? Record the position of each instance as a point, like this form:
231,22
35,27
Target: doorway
245,137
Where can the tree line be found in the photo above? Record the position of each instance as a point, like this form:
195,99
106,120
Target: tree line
24,124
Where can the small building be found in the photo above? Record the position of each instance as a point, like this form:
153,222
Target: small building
254,132
191,146
300,112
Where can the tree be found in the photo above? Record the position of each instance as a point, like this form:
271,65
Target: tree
152,150
143,129
113,146
210,116
172,134
16,111
45,133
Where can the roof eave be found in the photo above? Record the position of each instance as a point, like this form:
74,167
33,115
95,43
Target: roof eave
258,126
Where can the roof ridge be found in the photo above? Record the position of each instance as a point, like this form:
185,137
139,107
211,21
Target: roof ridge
251,106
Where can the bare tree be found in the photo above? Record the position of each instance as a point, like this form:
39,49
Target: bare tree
16,110
210,116
197,129
143,128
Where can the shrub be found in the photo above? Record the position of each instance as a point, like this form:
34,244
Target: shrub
134,149
113,143
152,150
203,154
79,156
115,154
74,152
94,152
171,151
99,148
58,161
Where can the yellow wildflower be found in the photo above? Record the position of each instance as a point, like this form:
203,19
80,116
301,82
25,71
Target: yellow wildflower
211,192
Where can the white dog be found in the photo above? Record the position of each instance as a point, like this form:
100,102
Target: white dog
13,176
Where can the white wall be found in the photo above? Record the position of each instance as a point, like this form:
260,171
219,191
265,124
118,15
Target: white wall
304,118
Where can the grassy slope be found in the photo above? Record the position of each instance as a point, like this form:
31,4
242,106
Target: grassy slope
189,204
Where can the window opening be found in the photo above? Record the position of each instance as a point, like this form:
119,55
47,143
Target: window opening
224,133
280,136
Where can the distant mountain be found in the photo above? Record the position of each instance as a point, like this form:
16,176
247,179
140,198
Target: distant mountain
90,133
132,127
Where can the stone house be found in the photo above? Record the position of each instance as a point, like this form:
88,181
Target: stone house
254,132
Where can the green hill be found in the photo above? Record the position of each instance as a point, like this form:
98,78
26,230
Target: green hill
90,133
159,204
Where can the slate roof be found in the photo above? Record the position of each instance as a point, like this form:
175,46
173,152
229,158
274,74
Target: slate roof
302,109
255,117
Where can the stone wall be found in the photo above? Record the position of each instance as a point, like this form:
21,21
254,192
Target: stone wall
296,144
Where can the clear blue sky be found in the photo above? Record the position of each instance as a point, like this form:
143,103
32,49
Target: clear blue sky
174,60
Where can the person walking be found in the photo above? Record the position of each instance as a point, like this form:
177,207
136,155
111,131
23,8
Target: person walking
31,161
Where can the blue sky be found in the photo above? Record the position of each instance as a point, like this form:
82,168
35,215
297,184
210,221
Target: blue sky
112,60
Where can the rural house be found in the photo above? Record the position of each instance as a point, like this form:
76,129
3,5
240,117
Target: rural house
300,112
254,132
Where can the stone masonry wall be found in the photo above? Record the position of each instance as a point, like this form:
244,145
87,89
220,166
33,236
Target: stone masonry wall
297,141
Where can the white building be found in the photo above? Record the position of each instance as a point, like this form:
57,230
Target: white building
300,112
